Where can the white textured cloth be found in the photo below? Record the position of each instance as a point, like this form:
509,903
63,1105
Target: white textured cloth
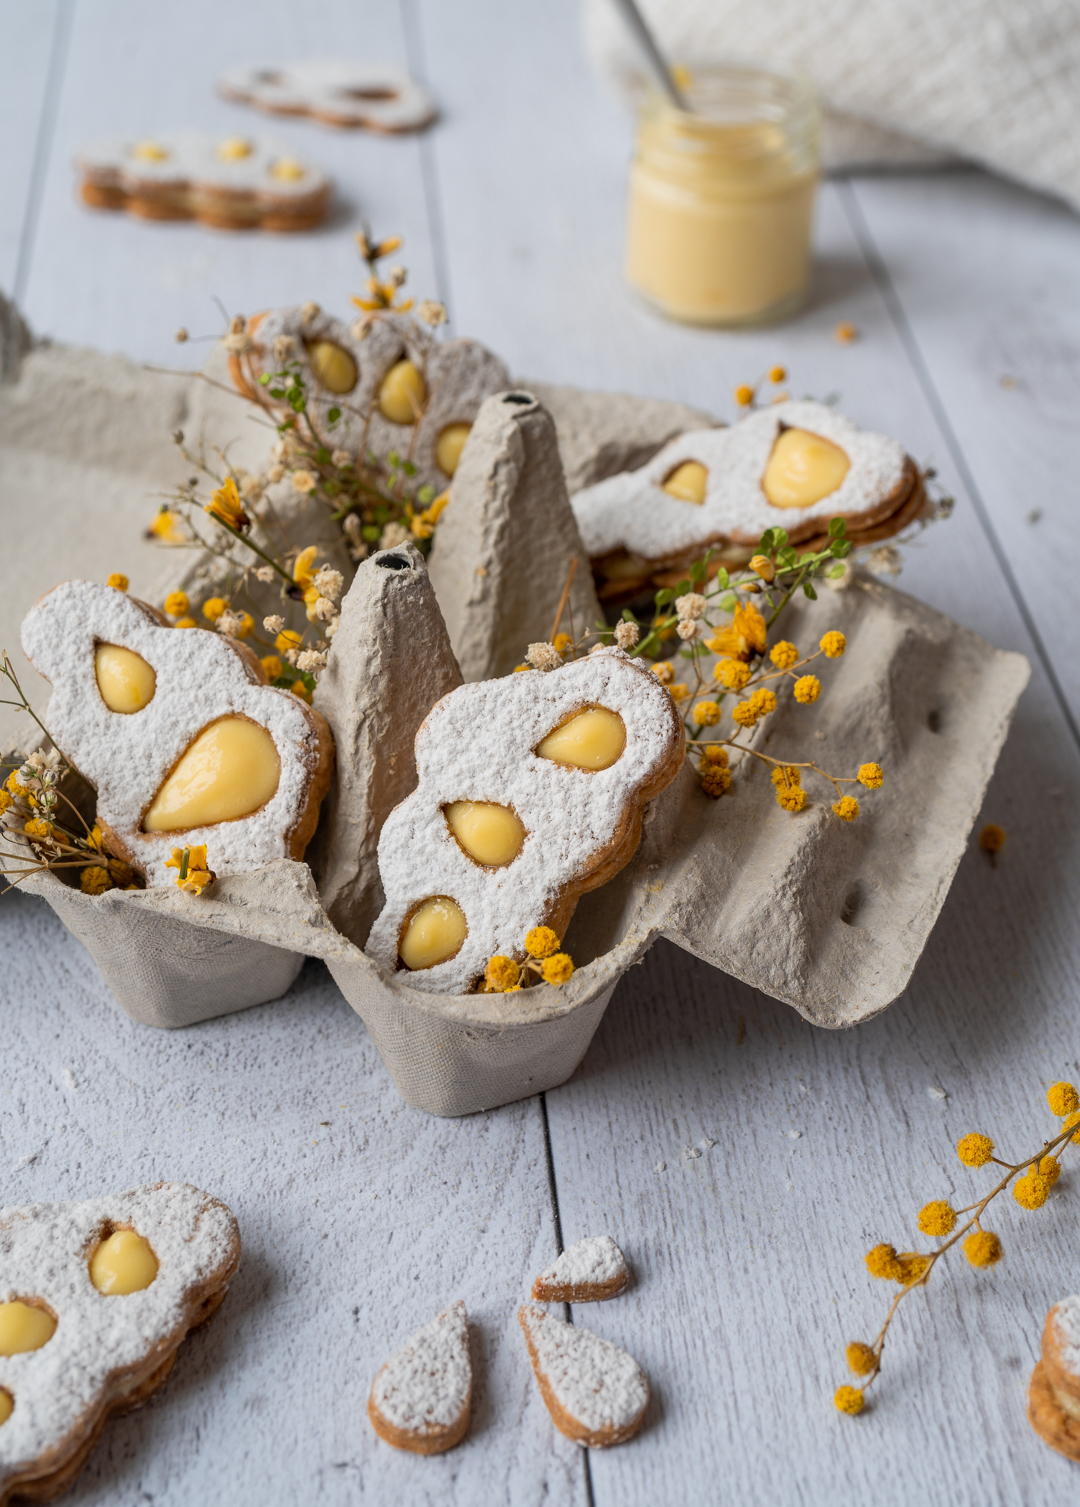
903,81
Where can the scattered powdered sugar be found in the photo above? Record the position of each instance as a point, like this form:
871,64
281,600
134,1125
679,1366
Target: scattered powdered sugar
427,1384
594,1381
631,511
126,757
1067,1327
596,1259
477,745
459,375
45,1251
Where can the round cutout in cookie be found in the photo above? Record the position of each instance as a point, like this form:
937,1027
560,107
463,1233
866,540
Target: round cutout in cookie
433,934
122,1263
25,1324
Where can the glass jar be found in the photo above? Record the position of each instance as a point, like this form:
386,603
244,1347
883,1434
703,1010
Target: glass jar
721,199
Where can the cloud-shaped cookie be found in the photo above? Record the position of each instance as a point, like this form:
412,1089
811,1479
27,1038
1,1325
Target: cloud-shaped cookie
796,465
178,732
335,91
233,182
531,791
95,1300
396,388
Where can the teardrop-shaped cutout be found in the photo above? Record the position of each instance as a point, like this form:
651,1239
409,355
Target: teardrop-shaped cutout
448,447
593,739
333,366
491,834
25,1326
7,1403
403,393
803,468
126,682
688,482
230,770
433,933
123,1263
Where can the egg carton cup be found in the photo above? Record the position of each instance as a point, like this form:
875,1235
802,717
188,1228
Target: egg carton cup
829,916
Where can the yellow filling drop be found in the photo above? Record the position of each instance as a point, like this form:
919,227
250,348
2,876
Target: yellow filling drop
491,834
126,682
234,149
433,934
687,482
7,1402
230,770
287,169
593,739
24,1327
332,365
150,151
450,444
803,468
403,393
123,1263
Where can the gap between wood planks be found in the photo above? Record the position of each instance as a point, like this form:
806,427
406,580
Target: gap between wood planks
880,273
554,1191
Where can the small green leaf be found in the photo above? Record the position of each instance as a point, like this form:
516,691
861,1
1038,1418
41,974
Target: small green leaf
322,455
809,591
277,393
788,557
723,580
841,549
664,597
264,379
370,533
780,537
836,572
628,616
393,459
409,468
765,543
687,653
425,494
333,415
698,571
683,588
837,528
728,602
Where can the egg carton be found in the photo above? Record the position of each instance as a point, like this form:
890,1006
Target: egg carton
828,916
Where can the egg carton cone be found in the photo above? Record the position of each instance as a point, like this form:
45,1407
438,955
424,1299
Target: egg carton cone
829,916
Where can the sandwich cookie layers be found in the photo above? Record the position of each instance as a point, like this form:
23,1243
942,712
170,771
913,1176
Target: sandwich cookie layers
231,182
795,465
95,1300
334,91
178,732
1054,1390
531,792
422,1397
394,389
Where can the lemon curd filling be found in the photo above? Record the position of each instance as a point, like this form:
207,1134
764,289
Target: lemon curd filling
490,834
126,682
123,1263
333,366
593,739
23,1326
803,468
433,933
687,482
450,444
403,393
232,768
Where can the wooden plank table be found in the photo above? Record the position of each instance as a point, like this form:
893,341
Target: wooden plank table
744,1159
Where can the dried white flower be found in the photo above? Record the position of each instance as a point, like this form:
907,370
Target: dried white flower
284,349
543,656
692,606
393,535
331,628
274,623
627,635
361,327
352,525
341,458
230,623
843,581
309,311
325,609
431,312
311,660
265,574
397,276
238,342
886,561
291,655
251,487
275,474
687,628
303,481
358,552
328,582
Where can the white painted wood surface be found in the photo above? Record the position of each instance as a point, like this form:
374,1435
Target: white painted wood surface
747,1257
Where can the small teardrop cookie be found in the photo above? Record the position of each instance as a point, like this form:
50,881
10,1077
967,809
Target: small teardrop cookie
595,1392
587,1272
422,1397
96,1298
1054,1390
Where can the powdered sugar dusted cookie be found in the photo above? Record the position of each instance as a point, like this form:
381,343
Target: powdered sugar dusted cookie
531,791
1054,1392
595,1392
95,1300
232,182
421,1398
794,465
335,91
178,732
587,1272
396,387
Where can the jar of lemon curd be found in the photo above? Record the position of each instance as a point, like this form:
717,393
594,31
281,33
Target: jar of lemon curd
722,196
